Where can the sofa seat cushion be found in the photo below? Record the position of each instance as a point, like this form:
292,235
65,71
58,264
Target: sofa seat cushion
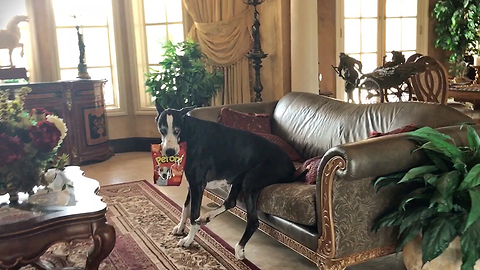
292,201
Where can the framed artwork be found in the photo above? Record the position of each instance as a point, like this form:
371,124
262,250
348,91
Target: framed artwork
95,125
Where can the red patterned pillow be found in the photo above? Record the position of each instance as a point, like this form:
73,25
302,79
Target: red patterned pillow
311,166
399,130
291,152
258,123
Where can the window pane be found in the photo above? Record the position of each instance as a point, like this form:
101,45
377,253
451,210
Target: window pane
393,34
352,8
156,38
174,11
69,74
369,8
369,35
68,52
352,36
394,8
408,54
409,34
87,12
154,11
97,51
369,62
175,33
409,8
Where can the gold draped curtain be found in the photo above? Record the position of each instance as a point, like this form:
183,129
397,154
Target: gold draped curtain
222,29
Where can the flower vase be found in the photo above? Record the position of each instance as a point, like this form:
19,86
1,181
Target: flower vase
450,259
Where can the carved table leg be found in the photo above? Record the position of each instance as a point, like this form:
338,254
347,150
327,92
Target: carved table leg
103,243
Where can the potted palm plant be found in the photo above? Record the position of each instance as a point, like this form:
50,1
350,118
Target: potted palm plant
444,200
183,80
457,29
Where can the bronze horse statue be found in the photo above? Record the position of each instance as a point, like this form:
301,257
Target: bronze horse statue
10,37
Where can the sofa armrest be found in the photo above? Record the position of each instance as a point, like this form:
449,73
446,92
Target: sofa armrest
387,154
212,113
347,204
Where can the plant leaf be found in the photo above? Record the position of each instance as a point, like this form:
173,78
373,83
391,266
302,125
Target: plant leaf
417,172
472,179
436,237
407,235
386,180
424,193
439,161
475,209
428,134
469,242
387,220
448,183
443,147
417,215
473,138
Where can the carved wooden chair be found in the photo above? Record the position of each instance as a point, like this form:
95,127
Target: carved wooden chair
431,85
412,58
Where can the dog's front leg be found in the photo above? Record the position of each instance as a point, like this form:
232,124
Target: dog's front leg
180,227
196,192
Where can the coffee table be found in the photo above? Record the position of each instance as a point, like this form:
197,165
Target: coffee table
29,227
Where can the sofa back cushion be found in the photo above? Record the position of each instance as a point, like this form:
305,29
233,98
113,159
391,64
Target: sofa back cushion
313,123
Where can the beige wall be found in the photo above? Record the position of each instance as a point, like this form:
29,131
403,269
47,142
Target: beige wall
326,45
275,73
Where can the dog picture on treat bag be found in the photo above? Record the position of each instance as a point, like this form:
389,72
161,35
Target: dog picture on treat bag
167,170
216,154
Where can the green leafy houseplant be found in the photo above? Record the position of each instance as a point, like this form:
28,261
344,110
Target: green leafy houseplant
457,30
445,199
183,79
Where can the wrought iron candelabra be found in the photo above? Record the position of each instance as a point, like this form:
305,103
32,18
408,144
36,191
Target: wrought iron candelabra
256,54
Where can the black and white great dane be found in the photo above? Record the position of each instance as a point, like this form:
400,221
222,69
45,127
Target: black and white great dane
244,160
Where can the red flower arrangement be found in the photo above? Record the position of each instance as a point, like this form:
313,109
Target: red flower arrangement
10,150
44,135
28,144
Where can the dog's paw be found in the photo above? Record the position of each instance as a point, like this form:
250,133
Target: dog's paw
185,242
204,219
178,229
239,252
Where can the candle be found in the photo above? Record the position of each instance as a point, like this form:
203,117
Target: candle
476,60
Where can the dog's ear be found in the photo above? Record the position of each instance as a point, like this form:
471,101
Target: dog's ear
185,110
160,109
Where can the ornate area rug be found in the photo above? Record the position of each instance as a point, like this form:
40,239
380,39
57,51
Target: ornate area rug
143,218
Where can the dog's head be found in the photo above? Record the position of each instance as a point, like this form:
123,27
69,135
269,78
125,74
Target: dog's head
164,173
170,123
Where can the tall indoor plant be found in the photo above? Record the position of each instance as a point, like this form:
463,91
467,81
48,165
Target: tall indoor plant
444,197
457,30
183,79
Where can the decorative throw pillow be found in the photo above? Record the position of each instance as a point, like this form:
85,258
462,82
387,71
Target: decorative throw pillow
403,129
258,123
287,148
310,166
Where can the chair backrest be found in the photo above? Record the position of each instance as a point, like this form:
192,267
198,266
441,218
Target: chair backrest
431,85
412,58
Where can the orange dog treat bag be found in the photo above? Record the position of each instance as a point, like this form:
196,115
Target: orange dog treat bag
168,171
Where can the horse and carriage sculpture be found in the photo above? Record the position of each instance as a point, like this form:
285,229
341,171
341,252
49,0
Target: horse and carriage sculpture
386,83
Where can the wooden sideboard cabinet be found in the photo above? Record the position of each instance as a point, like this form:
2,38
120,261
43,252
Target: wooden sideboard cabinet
81,105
